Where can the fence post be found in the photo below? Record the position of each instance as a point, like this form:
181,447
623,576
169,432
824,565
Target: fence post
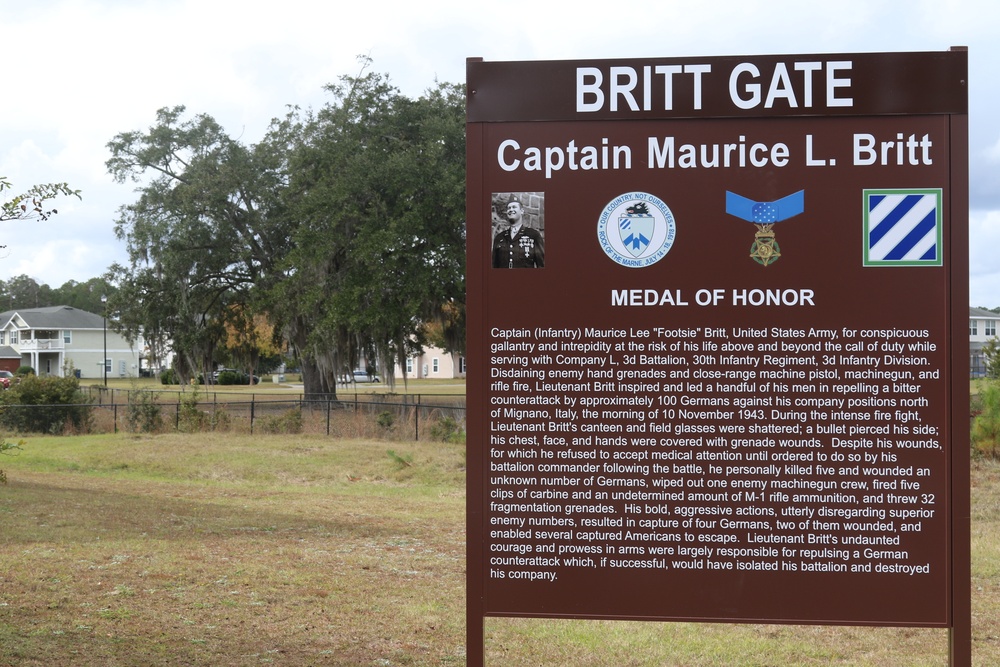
416,420
328,402
116,416
252,406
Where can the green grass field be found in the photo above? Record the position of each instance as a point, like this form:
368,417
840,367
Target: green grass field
222,549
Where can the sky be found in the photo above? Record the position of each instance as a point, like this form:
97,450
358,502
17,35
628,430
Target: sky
79,72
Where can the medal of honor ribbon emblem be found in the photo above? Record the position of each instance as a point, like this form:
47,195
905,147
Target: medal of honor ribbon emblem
763,215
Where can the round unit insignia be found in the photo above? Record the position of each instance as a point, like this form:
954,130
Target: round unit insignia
636,229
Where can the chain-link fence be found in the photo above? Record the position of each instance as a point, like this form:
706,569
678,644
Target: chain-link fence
387,416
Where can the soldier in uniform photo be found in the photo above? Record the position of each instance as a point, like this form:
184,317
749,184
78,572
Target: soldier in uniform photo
518,246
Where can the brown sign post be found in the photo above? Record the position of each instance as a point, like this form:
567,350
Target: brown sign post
718,358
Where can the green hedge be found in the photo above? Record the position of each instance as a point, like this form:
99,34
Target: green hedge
64,406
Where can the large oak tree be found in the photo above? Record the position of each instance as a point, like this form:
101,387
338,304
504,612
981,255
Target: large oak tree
344,226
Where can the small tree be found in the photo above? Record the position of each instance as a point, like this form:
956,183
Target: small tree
249,338
986,427
991,351
143,414
6,448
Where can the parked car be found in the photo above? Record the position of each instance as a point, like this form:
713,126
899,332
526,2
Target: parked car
360,376
6,377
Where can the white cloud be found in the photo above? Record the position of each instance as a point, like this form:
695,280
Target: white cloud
85,70
984,264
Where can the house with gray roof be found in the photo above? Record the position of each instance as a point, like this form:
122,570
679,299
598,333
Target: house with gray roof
54,340
982,327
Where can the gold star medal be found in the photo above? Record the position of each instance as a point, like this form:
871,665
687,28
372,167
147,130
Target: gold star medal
765,249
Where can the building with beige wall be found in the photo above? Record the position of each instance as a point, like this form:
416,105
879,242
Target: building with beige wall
53,340
433,363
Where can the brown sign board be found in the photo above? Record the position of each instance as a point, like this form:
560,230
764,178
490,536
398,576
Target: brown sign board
718,356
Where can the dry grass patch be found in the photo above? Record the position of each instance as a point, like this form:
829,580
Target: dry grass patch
210,551
226,549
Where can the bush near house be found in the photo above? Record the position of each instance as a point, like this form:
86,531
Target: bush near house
228,376
986,425
57,405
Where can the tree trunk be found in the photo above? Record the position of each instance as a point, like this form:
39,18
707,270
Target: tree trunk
318,384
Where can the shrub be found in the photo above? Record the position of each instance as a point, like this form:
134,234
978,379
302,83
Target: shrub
231,378
5,448
447,429
289,422
169,376
143,414
57,403
385,419
190,418
986,427
24,370
220,420
991,352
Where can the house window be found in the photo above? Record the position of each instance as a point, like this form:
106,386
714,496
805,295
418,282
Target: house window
13,337
107,366
409,365
435,365
67,337
990,327
973,329
461,364
3,337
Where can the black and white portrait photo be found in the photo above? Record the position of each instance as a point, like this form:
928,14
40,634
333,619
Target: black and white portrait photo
518,230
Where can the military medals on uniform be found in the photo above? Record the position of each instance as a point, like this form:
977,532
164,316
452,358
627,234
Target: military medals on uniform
527,245
765,249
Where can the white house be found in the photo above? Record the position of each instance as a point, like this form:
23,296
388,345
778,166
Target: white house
982,327
434,363
52,339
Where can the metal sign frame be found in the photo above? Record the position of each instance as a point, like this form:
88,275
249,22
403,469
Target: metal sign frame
665,207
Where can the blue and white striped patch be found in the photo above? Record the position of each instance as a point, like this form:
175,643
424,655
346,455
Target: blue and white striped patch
903,227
